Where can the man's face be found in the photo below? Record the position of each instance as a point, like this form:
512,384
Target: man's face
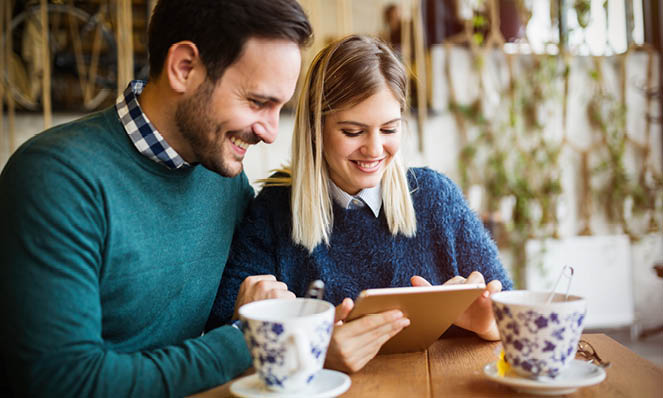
219,121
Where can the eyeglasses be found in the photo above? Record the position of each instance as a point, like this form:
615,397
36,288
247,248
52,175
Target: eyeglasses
587,352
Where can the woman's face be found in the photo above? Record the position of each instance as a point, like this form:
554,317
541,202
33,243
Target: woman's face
360,142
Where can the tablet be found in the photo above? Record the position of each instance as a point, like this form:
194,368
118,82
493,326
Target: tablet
431,310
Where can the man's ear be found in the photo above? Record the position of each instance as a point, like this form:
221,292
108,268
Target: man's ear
183,67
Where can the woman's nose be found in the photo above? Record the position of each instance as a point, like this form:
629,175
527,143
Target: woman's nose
373,145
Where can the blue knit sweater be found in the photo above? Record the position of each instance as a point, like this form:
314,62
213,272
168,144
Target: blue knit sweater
362,254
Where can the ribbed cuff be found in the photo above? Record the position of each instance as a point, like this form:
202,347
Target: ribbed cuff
231,351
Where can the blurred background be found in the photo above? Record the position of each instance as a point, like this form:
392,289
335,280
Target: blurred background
547,113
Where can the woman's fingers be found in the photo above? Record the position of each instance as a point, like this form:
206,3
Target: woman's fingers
416,280
343,310
356,342
456,280
478,317
373,325
367,349
475,277
494,286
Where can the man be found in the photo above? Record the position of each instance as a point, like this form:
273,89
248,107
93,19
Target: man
116,227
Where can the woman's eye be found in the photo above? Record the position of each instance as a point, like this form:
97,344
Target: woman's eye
351,133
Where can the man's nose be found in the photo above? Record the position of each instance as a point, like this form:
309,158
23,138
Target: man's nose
268,128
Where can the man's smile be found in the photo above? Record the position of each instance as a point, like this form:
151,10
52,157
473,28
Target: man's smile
239,143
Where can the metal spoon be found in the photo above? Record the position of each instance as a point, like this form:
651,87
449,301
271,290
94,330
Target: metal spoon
316,290
568,272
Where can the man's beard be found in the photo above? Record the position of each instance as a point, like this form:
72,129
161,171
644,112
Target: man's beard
194,122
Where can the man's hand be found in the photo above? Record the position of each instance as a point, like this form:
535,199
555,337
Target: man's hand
260,287
478,317
355,343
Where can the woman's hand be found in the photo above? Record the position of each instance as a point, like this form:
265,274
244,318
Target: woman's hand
355,343
478,317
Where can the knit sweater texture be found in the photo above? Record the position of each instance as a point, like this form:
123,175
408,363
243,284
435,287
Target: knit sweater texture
362,253
109,265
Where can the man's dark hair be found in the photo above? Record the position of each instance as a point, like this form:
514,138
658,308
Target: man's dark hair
220,28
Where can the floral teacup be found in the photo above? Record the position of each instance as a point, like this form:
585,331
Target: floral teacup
539,338
288,340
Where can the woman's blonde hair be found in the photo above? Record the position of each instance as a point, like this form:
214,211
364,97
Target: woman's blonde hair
342,75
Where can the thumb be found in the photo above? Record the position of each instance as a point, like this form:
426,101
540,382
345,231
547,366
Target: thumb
343,309
494,286
419,281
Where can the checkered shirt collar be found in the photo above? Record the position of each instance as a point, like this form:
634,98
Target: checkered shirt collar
147,140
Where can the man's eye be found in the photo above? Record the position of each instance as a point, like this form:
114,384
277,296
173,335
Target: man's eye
389,131
256,103
351,133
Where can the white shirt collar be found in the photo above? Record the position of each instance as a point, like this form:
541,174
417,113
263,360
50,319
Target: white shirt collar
371,197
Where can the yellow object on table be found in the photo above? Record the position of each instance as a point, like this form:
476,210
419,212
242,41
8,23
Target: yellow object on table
503,366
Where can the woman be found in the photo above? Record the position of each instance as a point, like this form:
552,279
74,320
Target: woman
349,213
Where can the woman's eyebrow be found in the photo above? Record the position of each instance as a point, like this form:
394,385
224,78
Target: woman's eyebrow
352,123
398,119
365,125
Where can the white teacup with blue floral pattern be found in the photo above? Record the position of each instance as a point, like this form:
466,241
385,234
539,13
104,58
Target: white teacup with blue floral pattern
539,338
288,340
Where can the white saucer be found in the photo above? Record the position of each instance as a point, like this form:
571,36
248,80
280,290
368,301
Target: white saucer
326,384
577,374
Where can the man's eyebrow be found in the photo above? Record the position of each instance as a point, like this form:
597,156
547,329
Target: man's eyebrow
365,125
266,98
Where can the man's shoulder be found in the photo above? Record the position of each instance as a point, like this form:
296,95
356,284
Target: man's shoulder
77,138
73,151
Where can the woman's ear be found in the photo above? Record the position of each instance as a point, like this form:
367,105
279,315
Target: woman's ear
183,67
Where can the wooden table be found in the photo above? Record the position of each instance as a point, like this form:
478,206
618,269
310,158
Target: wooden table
454,367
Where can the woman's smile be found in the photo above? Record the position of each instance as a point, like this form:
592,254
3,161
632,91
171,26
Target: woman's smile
370,166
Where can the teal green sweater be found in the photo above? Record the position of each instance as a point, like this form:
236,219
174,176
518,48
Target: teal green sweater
109,264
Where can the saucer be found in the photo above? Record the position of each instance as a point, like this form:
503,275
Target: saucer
577,374
326,384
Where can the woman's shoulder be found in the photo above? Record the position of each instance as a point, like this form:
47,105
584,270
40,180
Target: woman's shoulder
424,178
432,191
271,207
273,195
